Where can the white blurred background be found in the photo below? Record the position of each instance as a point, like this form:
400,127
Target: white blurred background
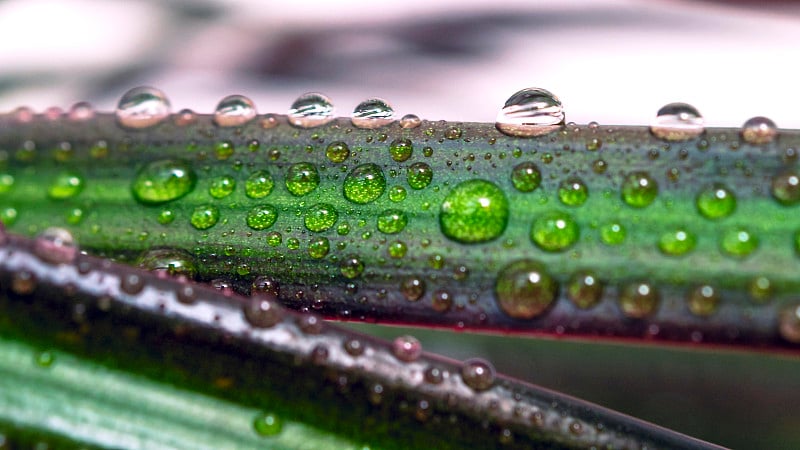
613,61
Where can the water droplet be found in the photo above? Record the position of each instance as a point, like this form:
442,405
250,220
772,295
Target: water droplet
321,217
410,121
23,282
293,243
274,238
131,283
397,194
554,231
364,184
222,187
407,348
530,112
612,233
526,177
354,347
267,424
352,266
392,221
8,215
677,122
638,300
441,301
174,262
678,242
185,117
789,323
55,245
43,359
738,242
760,289
302,178
433,375
81,112
163,181
478,374
6,182
204,217
412,288
573,192
66,185
337,152
584,289
716,202
474,211
703,300
311,110
524,289
400,149
452,133
372,113
142,107
310,324
319,247
234,111
594,144
419,175
397,249
639,189
259,184
759,131
262,311
261,217
786,188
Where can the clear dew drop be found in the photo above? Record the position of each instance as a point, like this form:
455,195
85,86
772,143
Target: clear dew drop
163,181
171,261
412,288
81,112
311,110
372,113
142,107
267,424
677,122
204,217
261,217
478,374
410,121
530,112
584,289
351,266
234,111
406,348
786,188
554,231
261,311
55,245
703,300
639,189
759,131
716,202
474,211
638,300
364,184
524,289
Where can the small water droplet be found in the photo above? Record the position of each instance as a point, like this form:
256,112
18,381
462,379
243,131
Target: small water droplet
352,266
262,311
66,185
401,149
639,189
364,184
442,301
392,221
259,184
412,288
397,194
524,289
638,300
354,347
474,211
419,175
573,192
337,152
407,348
760,289
267,424
81,112
526,177
786,188
261,217
23,282
204,217
478,374
759,130
738,242
703,300
716,202
677,122
677,242
174,262
584,289
554,231
530,112
142,107
185,117
321,217
612,233
163,181
222,187
131,283
311,110
372,113
234,111
319,247
55,245
789,323
302,178
410,121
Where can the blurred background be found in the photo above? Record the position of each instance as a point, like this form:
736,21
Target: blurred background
615,62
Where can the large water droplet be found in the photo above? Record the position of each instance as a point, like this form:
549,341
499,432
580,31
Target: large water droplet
259,184
351,267
554,231
407,348
222,187
262,311
302,178
364,184
372,113
261,217
478,374
163,181
337,152
400,149
530,112
321,217
419,175
474,211
759,130
639,189
142,107
204,217
716,202
524,289
319,247
55,245
311,110
234,111
677,122
526,177
392,221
